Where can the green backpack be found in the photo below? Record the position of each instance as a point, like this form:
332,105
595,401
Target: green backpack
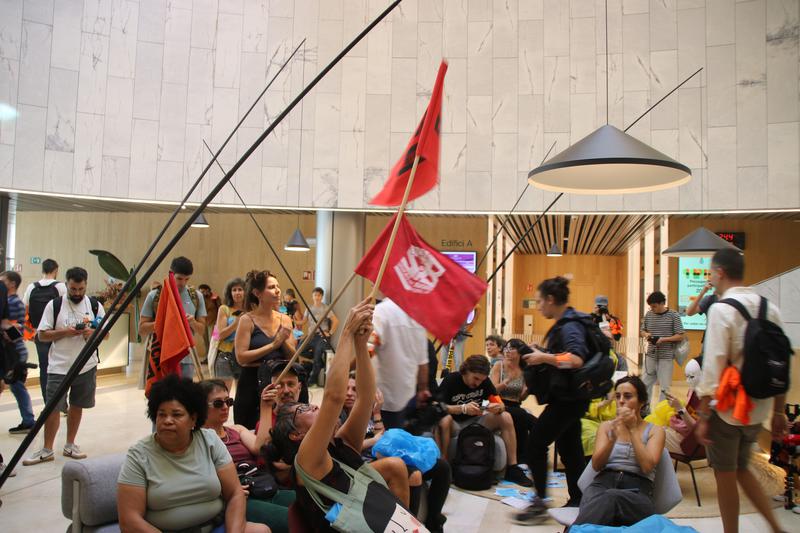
368,507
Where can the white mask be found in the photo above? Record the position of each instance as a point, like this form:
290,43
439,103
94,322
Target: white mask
693,374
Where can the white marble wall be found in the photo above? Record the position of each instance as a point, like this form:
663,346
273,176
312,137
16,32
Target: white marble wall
115,97
784,291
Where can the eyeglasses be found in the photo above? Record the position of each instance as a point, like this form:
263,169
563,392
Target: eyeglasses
302,408
219,402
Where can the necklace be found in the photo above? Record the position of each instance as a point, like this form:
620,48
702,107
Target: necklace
223,436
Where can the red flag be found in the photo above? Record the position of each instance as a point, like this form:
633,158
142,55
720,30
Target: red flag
424,143
432,288
172,337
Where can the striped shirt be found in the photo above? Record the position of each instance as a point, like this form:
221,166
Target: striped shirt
665,324
16,312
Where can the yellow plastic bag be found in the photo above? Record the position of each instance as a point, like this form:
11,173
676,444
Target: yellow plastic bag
661,414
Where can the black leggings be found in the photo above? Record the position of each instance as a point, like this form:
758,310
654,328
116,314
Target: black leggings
560,422
440,477
523,423
246,404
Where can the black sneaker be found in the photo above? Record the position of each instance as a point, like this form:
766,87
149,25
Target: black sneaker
20,429
535,513
515,474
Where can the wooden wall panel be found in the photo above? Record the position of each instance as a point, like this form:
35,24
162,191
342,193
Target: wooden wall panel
592,275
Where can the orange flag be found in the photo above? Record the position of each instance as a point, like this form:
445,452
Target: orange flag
172,337
424,143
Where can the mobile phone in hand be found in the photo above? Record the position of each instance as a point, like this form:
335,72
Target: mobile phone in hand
13,333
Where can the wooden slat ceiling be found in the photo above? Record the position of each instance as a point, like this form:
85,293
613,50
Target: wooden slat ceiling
577,234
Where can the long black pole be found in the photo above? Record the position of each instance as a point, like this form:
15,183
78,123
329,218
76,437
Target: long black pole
108,322
272,249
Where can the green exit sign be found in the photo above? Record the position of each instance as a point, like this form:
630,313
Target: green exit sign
36,260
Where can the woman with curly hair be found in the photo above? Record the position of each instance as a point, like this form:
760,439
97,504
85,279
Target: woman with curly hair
181,477
264,334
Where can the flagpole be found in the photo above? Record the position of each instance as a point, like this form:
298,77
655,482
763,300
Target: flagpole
396,227
316,327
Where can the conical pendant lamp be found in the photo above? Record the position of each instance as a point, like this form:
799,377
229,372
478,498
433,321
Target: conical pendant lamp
554,251
609,161
699,243
200,221
297,243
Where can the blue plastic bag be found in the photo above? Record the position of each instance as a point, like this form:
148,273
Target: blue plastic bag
419,452
652,524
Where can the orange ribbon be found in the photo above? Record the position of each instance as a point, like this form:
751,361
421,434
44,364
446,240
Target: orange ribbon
731,394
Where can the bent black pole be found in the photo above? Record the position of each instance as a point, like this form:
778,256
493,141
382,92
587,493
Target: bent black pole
272,249
105,326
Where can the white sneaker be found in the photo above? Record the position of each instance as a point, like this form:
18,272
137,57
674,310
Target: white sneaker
72,450
40,456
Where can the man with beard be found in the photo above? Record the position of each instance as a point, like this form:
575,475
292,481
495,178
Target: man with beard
67,323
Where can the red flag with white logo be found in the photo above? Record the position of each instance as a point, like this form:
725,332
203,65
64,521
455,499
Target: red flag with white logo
433,289
424,143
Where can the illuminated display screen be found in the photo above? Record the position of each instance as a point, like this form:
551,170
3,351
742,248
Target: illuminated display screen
693,273
468,261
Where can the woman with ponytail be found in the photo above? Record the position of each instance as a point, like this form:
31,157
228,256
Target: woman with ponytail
263,334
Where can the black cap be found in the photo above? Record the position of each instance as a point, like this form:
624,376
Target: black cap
276,367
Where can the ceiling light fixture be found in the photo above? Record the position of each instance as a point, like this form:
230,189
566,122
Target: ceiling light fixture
200,221
699,243
555,251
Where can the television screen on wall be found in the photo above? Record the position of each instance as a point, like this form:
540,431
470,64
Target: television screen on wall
693,273
468,261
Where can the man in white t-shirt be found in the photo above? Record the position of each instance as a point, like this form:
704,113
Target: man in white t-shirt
67,324
400,359
35,298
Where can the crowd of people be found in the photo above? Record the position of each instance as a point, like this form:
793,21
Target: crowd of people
286,464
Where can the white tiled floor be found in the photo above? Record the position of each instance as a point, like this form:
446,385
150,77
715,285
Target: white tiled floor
32,499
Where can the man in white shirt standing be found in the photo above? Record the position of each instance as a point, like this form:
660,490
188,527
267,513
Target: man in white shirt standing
729,442
400,360
67,323
36,297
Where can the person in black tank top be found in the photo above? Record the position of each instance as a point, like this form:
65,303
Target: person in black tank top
264,334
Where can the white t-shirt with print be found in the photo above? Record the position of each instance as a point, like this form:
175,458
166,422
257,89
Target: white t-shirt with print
63,352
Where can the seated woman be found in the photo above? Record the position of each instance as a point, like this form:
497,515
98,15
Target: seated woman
626,455
680,436
463,394
244,447
510,384
325,452
182,476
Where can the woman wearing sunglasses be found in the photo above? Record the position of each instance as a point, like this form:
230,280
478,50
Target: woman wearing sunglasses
244,447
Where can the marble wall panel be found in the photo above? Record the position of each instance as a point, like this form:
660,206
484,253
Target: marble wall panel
326,187
790,296
663,25
454,104
531,147
195,159
354,18
721,166
58,167
691,43
504,27
115,176
379,61
168,180
254,26
147,96
9,83
97,17
583,68
200,96
274,182
556,28
504,171
29,147
330,42
721,22
177,34
454,38
172,122
751,94
404,31
404,90
67,21
556,94
144,146
479,39
505,113
721,76
38,11
531,57
783,185
783,60
10,28
235,7
666,141
377,128
93,78
34,63
691,194
88,163
583,112
61,110
752,187
453,170
530,10
228,51
280,45
152,15
253,81
633,7
224,117
479,133
351,164
354,98
689,113
7,165
478,188
636,52
327,128
479,9
204,24
664,78
122,47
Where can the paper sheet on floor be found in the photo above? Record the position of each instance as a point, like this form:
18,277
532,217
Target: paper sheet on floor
516,503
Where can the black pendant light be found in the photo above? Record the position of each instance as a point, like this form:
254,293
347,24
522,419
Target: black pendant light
200,221
554,251
297,242
699,243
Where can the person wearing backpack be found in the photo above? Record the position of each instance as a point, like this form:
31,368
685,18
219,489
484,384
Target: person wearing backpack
560,422
732,350
36,296
67,323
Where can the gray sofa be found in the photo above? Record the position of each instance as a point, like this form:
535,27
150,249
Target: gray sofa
89,494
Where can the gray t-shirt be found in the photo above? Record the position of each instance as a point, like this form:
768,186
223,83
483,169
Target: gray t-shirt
317,311
188,305
182,490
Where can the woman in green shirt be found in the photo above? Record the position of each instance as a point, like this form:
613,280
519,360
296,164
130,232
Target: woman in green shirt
181,477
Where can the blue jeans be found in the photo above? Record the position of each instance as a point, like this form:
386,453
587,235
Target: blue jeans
187,367
42,350
24,402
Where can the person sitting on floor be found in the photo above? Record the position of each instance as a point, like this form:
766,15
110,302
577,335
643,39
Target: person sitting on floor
245,447
626,455
463,394
182,476
326,454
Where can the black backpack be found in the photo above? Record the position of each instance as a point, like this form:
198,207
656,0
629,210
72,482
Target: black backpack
39,298
592,380
474,459
767,349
